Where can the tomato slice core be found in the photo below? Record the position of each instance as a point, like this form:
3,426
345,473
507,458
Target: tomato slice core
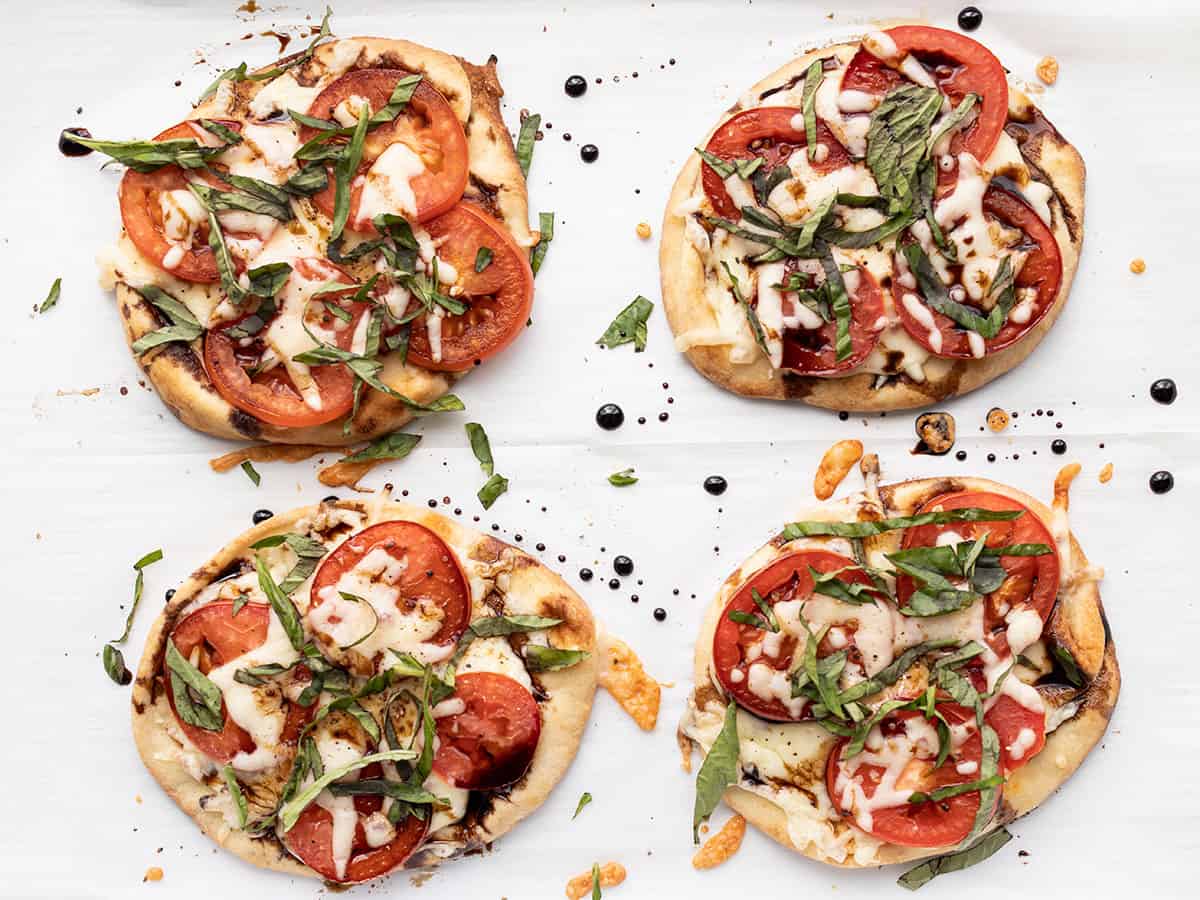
490,743
766,132
737,646
499,298
427,126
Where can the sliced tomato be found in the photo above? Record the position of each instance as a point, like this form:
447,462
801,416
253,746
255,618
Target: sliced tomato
499,298
311,840
1032,580
815,352
1041,271
959,65
928,824
427,126
736,645
1009,719
221,636
492,741
766,132
431,573
142,215
271,396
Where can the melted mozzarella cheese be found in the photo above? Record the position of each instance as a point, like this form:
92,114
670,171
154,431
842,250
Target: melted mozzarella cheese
282,94
377,620
433,330
456,798
287,338
495,654
387,185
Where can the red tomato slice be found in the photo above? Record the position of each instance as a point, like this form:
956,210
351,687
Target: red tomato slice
492,741
432,572
1032,580
815,352
1042,271
427,125
221,637
1008,719
500,297
766,132
926,824
141,210
270,396
311,840
959,65
787,578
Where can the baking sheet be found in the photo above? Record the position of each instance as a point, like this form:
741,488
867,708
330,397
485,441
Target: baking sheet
91,483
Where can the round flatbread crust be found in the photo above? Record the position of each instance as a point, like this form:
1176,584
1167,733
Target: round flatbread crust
496,183
683,278
564,712
1066,747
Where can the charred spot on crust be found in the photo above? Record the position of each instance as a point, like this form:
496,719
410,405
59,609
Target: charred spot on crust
797,387
1029,137
929,489
484,194
182,356
245,424
786,86
489,550
935,433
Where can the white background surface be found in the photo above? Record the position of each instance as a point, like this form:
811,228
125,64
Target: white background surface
92,483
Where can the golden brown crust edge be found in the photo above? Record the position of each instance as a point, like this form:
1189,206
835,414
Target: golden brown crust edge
564,714
1066,747
682,275
177,370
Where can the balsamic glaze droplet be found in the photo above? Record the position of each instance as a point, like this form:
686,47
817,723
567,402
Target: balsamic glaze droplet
261,515
68,147
585,574
1058,446
332,498
610,416
715,485
589,153
1161,482
576,86
970,18
991,457
960,455
170,593
660,614
623,565
1164,391
614,583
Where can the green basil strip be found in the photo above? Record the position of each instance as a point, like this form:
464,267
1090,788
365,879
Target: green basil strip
285,610
920,875
745,618
952,121
235,74
495,626
551,659
381,787
216,242
989,765
481,447
186,679
398,100
718,771
292,809
525,141
839,303
491,490
168,335
629,326
149,156
830,585
268,280
251,472
584,799
354,598
344,171
114,665
723,168
869,529
624,478
546,235
756,328
239,73
235,791
961,690
396,445
310,180
896,141
596,895
893,672
856,240
483,258
967,651
859,739
51,298
937,297
808,104
1069,666
149,559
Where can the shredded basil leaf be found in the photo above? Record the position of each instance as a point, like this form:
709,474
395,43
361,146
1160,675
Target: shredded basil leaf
989,765
551,659
481,447
897,139
584,800
344,171
187,681
596,895
291,810
483,258
624,478
868,529
629,326
920,875
497,626
285,610
235,791
546,235
718,771
491,490
114,665
51,298
251,472
268,280
952,121
525,141
756,328
1069,666
808,104
396,445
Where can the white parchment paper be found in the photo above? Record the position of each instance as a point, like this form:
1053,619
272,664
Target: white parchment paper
90,483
